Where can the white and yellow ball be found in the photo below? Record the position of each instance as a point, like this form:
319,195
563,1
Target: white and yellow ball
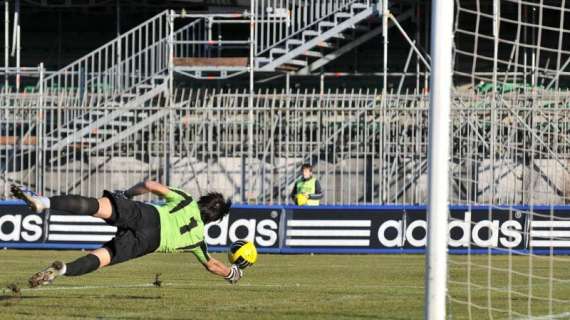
242,253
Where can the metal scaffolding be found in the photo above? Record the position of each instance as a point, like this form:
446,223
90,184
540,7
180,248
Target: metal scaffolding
117,112
366,147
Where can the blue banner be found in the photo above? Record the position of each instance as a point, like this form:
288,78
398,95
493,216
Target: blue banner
322,229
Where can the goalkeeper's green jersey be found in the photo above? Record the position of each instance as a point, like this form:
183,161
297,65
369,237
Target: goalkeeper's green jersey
181,225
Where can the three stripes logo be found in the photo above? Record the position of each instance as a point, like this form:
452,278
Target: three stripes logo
328,233
75,228
548,234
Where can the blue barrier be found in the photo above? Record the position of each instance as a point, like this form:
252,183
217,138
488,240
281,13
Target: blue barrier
347,229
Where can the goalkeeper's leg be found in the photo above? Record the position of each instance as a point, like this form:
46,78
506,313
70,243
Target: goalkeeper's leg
138,231
126,245
97,259
100,208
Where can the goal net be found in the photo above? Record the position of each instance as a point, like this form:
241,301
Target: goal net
510,170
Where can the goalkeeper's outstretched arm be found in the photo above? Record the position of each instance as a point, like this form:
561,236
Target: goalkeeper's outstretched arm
147,186
217,267
231,274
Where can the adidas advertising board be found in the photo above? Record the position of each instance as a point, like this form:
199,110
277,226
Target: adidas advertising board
403,228
18,224
258,225
366,229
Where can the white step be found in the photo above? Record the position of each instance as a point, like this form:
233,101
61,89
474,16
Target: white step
145,86
130,114
98,112
103,132
117,123
313,33
343,15
325,44
359,5
78,140
293,42
296,62
326,24
110,123
310,33
341,36
313,54
134,114
278,51
98,131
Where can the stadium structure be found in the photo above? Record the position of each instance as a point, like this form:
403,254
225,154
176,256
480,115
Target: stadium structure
103,92
234,95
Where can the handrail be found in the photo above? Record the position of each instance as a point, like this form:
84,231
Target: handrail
301,17
90,71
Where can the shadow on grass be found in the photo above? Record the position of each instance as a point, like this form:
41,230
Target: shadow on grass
129,297
18,298
90,296
10,300
339,315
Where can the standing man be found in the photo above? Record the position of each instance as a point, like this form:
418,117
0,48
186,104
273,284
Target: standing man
307,189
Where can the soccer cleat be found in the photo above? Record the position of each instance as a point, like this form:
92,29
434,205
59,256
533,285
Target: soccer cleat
48,275
37,203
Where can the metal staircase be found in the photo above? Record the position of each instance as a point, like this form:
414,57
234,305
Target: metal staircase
101,127
132,59
310,43
130,71
123,74
288,35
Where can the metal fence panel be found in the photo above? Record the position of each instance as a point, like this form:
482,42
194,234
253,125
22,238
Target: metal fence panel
365,147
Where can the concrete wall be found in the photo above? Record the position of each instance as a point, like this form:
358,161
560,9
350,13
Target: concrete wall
347,181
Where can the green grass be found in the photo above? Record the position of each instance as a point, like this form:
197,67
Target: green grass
277,287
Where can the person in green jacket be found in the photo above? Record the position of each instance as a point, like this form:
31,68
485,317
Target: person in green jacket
177,224
307,189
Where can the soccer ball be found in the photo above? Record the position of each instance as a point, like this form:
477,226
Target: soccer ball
242,253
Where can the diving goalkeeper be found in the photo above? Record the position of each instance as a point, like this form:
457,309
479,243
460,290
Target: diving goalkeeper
141,228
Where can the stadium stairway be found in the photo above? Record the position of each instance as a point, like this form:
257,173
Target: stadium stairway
102,126
125,74
291,37
296,52
138,66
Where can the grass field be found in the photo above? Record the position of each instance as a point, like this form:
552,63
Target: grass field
278,287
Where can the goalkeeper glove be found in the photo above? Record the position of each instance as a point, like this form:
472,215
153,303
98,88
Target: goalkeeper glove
235,274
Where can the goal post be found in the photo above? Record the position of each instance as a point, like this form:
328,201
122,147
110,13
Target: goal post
507,176
438,159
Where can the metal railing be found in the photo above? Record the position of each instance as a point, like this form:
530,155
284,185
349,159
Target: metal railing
192,40
366,147
280,20
128,60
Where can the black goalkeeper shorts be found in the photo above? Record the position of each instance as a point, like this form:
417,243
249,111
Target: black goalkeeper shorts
138,229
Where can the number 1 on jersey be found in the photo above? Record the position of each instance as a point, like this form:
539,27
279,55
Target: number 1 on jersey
188,227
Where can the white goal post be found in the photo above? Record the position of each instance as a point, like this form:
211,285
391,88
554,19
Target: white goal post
438,158
499,153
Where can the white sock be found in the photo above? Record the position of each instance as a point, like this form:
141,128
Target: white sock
63,269
45,201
